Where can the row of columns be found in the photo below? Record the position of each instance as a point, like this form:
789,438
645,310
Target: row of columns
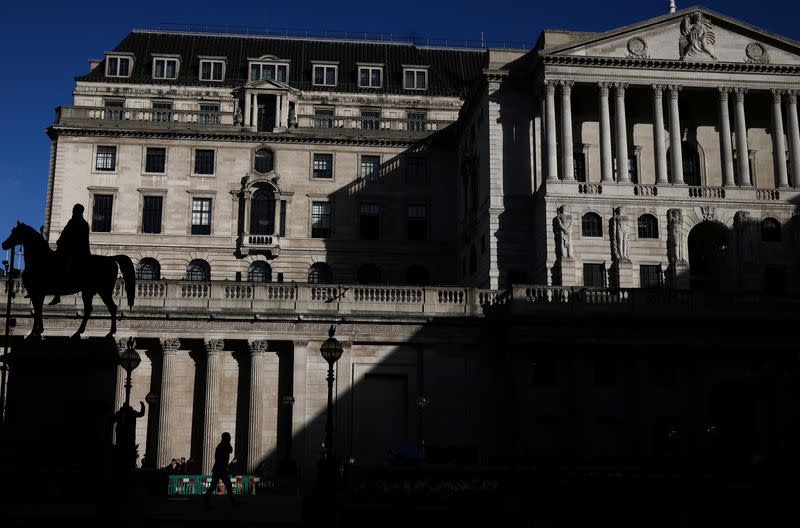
251,109
675,135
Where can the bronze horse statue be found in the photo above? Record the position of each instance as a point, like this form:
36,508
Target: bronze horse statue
97,276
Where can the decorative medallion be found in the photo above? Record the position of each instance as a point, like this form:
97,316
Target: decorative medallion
637,48
756,52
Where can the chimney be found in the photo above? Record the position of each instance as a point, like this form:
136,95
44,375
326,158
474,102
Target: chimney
93,63
671,6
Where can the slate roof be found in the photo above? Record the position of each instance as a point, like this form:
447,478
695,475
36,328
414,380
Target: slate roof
451,71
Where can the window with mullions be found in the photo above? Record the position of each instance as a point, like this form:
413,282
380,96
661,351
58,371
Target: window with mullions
106,158
591,225
324,75
320,219
594,275
211,70
370,168
151,214
648,226
320,273
369,221
416,121
370,119
276,72
165,68
201,216
417,222
118,67
650,276
155,160
148,270
204,161
198,270
101,213
209,114
323,166
370,77
415,79
259,271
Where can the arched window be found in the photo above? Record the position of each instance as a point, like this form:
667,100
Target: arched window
648,226
592,225
770,230
262,212
368,274
148,270
417,276
259,271
691,164
198,270
264,161
320,273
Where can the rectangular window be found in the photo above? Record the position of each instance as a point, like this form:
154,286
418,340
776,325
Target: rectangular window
323,117
579,166
324,75
369,221
323,166
320,219
415,79
162,111
370,168
151,214
282,220
165,68
211,70
370,119
594,275
204,161
415,171
209,114
101,212
201,216
106,158
417,222
276,72
417,121
650,276
370,77
118,67
114,110
155,160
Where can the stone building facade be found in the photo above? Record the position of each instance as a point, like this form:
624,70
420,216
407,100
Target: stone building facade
525,239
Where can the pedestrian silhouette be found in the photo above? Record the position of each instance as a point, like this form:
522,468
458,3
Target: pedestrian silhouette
220,470
72,248
125,420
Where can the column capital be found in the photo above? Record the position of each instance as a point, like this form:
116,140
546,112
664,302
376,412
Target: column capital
170,345
739,92
657,89
603,86
213,346
619,88
258,346
791,96
122,343
566,86
674,90
550,86
776,95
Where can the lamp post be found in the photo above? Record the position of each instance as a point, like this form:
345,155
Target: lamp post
129,360
331,351
422,404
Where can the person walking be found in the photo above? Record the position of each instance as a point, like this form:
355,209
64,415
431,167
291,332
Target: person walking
220,471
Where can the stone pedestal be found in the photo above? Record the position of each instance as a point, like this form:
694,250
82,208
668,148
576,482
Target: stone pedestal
622,274
565,272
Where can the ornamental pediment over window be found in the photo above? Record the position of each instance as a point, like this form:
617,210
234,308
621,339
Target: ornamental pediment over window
691,35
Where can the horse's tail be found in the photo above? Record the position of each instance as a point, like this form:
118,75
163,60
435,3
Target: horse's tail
128,273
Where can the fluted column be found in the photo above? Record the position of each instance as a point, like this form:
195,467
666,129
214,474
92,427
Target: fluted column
606,157
675,147
794,136
550,130
210,438
659,148
246,109
567,161
742,150
258,353
778,141
119,389
169,349
726,153
622,134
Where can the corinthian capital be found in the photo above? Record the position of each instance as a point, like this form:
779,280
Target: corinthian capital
550,86
258,346
603,86
170,345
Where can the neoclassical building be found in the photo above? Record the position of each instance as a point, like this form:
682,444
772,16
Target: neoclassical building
585,249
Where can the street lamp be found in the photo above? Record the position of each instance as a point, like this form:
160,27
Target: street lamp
129,360
331,351
422,404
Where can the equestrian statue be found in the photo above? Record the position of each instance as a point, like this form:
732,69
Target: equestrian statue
70,269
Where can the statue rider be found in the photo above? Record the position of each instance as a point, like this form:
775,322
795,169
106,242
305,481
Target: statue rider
72,249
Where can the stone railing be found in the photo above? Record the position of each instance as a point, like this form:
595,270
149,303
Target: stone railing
370,123
590,188
716,193
768,194
261,244
266,299
672,193
645,190
153,115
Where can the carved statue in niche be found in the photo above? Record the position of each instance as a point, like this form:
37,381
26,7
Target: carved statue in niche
292,120
697,38
563,232
674,236
746,236
237,116
620,246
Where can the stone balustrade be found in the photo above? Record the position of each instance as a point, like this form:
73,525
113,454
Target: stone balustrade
65,114
370,123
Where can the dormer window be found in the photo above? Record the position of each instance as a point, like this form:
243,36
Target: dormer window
165,67
370,76
212,69
118,66
325,74
415,78
276,71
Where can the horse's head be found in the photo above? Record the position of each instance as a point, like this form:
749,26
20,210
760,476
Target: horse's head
15,238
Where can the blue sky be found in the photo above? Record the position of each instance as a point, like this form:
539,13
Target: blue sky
46,44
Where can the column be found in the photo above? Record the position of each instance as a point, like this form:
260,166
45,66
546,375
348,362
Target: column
606,160
659,147
742,151
254,109
277,110
210,434
258,354
675,147
778,141
550,129
285,111
794,136
169,350
299,434
247,102
622,134
725,139
567,161
119,390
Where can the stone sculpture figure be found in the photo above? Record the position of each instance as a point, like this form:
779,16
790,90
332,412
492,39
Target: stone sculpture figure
563,232
620,245
238,117
674,236
697,38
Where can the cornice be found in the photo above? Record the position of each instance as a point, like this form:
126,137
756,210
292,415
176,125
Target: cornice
670,64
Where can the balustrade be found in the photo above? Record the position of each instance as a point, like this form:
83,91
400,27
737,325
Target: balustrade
716,193
155,115
768,194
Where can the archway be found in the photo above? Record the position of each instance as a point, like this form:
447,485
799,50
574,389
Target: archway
709,257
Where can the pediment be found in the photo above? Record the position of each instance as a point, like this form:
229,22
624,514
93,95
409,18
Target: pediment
268,84
694,35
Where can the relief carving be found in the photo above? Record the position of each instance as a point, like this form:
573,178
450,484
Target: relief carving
756,53
637,48
563,233
697,38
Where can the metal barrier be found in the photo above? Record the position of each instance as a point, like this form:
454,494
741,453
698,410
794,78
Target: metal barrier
198,484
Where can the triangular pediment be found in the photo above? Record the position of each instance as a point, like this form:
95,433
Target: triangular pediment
268,84
695,34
